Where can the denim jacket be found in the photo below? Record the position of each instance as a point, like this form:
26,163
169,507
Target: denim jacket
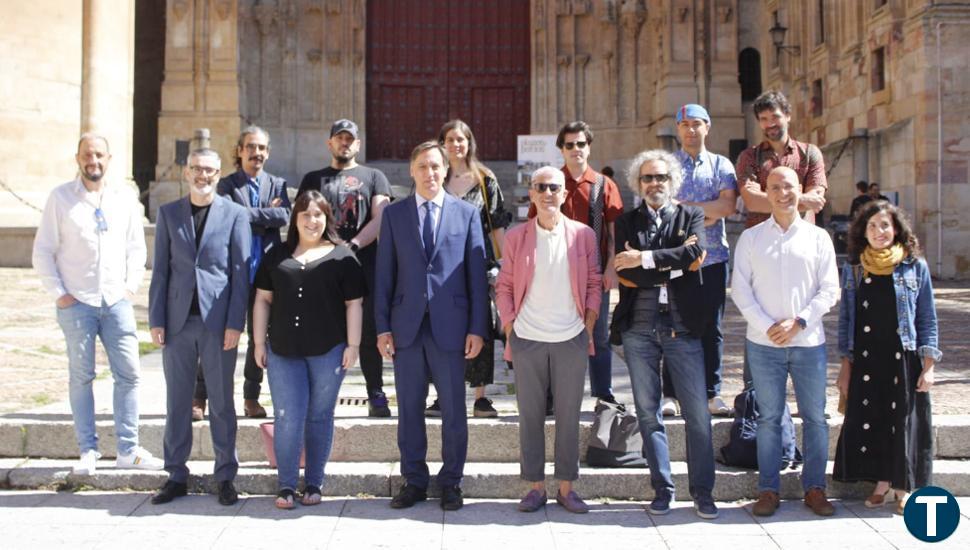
914,308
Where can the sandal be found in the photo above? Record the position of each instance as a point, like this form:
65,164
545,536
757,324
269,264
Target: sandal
311,495
285,499
876,500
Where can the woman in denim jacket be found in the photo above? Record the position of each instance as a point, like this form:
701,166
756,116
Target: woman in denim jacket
888,343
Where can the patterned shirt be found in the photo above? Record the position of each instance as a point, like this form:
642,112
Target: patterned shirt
804,158
704,179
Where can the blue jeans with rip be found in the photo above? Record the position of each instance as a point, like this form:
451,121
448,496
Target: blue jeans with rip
115,325
770,367
304,391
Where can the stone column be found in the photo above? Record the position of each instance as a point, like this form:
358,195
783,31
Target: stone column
107,78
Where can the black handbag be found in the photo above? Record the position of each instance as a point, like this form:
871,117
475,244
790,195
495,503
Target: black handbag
615,440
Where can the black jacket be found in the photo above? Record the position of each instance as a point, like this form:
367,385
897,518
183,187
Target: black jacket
679,223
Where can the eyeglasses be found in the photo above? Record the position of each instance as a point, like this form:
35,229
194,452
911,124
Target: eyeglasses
204,170
253,147
578,144
543,187
659,178
100,220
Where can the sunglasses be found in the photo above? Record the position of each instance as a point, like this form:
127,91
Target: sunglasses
578,144
100,220
659,178
543,187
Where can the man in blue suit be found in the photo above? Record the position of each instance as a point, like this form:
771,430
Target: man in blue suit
265,199
196,311
429,302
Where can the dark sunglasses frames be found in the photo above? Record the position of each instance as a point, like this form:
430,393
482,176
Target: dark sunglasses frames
659,178
543,187
570,144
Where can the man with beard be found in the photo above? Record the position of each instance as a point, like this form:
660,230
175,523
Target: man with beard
662,313
358,195
779,149
90,254
202,244
264,197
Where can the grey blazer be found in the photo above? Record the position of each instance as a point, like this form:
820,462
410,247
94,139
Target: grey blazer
264,220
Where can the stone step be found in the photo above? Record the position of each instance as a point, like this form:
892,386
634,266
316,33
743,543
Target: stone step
482,480
359,439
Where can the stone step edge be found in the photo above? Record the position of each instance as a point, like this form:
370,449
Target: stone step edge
482,480
362,439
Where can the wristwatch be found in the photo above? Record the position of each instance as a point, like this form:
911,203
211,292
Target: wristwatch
354,246
801,322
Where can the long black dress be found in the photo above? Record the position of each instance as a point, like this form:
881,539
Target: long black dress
887,431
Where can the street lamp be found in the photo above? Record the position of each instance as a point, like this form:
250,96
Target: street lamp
777,32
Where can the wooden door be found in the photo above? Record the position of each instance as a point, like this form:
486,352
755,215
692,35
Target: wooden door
429,61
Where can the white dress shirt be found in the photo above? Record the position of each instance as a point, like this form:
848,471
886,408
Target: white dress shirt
73,257
438,201
548,312
781,275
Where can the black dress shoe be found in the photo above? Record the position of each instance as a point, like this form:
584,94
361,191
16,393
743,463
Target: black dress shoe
408,496
227,493
451,498
169,492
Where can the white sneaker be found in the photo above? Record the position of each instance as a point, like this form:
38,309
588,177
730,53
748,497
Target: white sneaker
668,406
88,463
718,407
139,459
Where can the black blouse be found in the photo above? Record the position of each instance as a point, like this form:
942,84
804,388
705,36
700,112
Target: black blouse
308,316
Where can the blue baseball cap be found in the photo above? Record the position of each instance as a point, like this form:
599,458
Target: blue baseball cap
693,110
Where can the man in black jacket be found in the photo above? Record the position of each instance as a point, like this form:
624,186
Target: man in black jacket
659,250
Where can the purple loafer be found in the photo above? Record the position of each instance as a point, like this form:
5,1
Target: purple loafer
532,501
572,503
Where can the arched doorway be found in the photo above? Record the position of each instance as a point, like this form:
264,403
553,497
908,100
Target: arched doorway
749,76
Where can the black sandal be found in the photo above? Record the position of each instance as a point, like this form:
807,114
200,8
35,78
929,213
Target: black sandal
285,499
311,491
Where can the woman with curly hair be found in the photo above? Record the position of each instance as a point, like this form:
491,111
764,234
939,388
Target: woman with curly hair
888,342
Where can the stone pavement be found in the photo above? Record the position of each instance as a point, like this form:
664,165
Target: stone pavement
40,520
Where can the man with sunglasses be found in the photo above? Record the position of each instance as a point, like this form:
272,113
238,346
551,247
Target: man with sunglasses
592,199
265,199
90,254
710,184
196,313
662,313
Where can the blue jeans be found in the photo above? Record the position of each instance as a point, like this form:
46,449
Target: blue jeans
115,325
644,344
304,391
769,368
601,364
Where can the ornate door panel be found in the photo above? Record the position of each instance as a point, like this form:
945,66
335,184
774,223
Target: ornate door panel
431,60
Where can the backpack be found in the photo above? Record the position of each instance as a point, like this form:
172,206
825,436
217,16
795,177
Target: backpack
742,448
614,440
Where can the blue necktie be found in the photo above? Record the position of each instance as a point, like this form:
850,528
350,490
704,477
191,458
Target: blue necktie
256,252
427,230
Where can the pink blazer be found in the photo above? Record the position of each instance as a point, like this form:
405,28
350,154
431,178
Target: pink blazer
518,267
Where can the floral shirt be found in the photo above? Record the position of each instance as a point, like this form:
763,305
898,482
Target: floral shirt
704,179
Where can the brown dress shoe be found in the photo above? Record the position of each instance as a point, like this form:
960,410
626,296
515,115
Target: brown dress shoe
815,499
198,410
766,504
253,409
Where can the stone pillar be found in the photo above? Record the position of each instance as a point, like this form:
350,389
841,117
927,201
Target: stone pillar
107,78
201,88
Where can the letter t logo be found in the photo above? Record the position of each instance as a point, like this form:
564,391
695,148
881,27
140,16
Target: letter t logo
930,502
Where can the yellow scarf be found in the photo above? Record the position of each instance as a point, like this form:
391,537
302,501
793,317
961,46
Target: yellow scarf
882,262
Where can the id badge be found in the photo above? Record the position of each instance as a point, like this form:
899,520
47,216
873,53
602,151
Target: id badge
663,295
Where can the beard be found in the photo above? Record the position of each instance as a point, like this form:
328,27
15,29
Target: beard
95,177
205,191
657,198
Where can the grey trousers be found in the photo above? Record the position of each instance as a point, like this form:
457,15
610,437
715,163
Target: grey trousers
561,366
180,362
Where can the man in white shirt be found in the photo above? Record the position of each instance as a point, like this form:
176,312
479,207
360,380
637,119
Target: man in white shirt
784,281
90,254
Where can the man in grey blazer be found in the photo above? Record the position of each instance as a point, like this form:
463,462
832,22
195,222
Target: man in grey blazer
264,197
196,311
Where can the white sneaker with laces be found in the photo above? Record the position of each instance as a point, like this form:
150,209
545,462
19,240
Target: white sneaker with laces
88,463
139,459
668,406
718,407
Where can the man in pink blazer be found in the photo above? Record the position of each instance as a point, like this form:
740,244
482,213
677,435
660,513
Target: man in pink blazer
548,296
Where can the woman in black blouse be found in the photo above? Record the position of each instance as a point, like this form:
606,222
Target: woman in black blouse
308,300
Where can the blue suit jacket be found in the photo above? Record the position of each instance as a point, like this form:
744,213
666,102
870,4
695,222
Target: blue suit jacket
451,284
219,268
265,220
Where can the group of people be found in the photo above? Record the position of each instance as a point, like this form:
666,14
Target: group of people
361,278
